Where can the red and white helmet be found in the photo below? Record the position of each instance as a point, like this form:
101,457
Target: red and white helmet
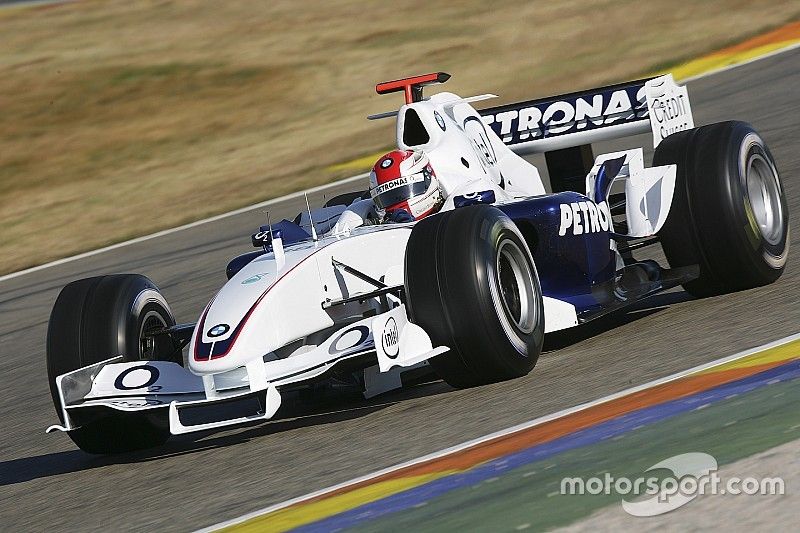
404,179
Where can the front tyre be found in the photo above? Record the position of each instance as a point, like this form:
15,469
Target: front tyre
472,285
729,212
99,318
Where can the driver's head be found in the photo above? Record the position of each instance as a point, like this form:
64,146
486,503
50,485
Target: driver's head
404,180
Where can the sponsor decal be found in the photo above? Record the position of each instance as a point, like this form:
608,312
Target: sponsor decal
528,121
261,238
670,108
218,330
136,402
670,111
349,339
390,339
255,278
421,206
479,139
439,120
399,182
386,163
584,217
143,377
482,197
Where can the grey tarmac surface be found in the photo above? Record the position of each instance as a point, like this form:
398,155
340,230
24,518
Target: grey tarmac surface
46,483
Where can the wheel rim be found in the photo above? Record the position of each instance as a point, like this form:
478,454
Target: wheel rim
764,197
148,347
514,298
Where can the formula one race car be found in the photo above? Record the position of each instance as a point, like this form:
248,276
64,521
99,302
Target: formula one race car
348,293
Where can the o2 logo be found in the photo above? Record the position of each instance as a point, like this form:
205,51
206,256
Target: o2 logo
349,339
138,377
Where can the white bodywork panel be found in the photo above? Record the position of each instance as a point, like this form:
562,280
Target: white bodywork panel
558,315
648,191
324,219
475,159
669,108
286,305
399,342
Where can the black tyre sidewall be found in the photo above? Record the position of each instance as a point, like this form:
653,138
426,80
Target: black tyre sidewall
64,334
422,287
473,239
459,310
114,314
678,236
93,320
708,222
755,260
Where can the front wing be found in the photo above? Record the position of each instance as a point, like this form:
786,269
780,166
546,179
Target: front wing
249,393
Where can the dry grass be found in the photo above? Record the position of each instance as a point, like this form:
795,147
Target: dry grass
121,118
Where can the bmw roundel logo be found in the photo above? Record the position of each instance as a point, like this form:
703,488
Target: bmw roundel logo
439,120
386,163
218,330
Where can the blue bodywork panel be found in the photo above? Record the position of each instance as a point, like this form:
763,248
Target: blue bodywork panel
286,230
577,268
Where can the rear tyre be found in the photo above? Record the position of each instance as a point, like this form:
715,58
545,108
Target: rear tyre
471,285
729,213
99,318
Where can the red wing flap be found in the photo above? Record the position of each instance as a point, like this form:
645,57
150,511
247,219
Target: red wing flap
412,87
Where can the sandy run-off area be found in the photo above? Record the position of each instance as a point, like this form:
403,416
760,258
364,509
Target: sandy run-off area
121,118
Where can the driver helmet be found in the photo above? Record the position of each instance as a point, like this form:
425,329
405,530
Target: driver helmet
403,180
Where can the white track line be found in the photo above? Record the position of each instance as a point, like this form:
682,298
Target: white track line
297,194
221,216
502,433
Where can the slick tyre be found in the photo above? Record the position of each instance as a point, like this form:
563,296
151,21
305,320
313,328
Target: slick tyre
471,285
96,319
729,212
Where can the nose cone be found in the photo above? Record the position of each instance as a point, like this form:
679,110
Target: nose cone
258,310
221,327
262,309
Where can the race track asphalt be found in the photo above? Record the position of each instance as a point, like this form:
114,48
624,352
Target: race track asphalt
46,483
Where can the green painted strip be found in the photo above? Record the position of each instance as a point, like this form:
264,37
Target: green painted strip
729,430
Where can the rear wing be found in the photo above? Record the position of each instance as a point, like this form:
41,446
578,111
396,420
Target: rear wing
564,127
657,105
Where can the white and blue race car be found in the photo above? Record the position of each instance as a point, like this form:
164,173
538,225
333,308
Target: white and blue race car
469,292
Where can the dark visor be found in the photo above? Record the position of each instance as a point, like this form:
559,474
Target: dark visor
402,193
